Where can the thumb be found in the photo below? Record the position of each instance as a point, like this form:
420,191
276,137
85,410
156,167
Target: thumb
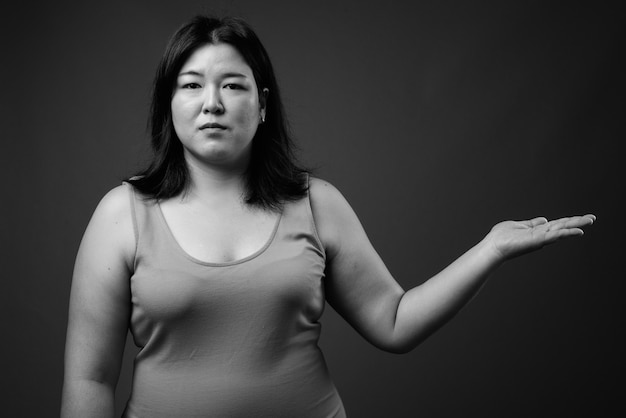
535,222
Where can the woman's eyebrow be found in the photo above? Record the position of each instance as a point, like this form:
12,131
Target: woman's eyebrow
190,72
224,75
233,74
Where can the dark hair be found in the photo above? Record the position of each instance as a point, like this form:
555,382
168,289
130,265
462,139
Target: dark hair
272,175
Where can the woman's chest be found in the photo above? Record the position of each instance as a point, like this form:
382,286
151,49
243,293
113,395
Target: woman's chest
220,235
281,285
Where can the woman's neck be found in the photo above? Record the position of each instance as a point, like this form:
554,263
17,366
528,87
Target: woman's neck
215,185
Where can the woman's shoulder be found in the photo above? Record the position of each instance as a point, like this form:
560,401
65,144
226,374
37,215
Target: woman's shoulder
115,207
323,193
327,197
116,200
331,211
111,228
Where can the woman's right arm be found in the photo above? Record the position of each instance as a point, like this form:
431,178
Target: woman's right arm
99,309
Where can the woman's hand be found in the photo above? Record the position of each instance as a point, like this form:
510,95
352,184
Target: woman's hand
512,238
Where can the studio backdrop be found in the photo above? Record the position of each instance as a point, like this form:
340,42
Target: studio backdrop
436,120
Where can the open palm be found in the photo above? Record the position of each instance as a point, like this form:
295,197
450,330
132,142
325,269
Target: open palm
513,238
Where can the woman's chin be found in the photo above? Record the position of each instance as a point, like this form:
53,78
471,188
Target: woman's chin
218,158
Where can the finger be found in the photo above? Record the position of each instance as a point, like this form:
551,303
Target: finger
577,221
535,222
570,222
590,216
554,235
557,224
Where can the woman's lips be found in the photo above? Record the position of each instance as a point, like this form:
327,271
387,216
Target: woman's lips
212,125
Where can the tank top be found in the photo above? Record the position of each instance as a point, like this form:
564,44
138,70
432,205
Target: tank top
234,339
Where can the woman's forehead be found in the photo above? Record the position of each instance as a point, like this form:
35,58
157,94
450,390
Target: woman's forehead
216,58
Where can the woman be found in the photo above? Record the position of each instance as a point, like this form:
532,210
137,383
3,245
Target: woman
221,255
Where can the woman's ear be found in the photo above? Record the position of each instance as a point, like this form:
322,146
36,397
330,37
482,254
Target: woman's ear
263,103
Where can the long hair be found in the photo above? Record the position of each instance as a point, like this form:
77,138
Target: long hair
273,175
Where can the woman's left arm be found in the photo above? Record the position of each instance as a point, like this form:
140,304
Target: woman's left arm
361,289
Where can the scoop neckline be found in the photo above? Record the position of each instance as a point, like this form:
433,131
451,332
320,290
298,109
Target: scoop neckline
255,254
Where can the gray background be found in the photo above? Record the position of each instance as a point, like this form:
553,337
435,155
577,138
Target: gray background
436,119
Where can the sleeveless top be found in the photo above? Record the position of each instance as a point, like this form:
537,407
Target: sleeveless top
235,339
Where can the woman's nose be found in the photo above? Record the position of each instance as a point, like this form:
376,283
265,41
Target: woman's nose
212,102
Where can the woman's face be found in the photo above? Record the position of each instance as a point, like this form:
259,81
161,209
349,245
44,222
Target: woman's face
216,107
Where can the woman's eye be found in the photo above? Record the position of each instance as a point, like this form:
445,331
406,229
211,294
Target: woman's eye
191,86
233,86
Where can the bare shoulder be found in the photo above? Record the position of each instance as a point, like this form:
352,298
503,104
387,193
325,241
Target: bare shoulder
112,224
115,204
322,192
326,200
332,213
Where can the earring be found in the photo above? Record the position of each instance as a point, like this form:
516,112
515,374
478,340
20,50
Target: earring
262,118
